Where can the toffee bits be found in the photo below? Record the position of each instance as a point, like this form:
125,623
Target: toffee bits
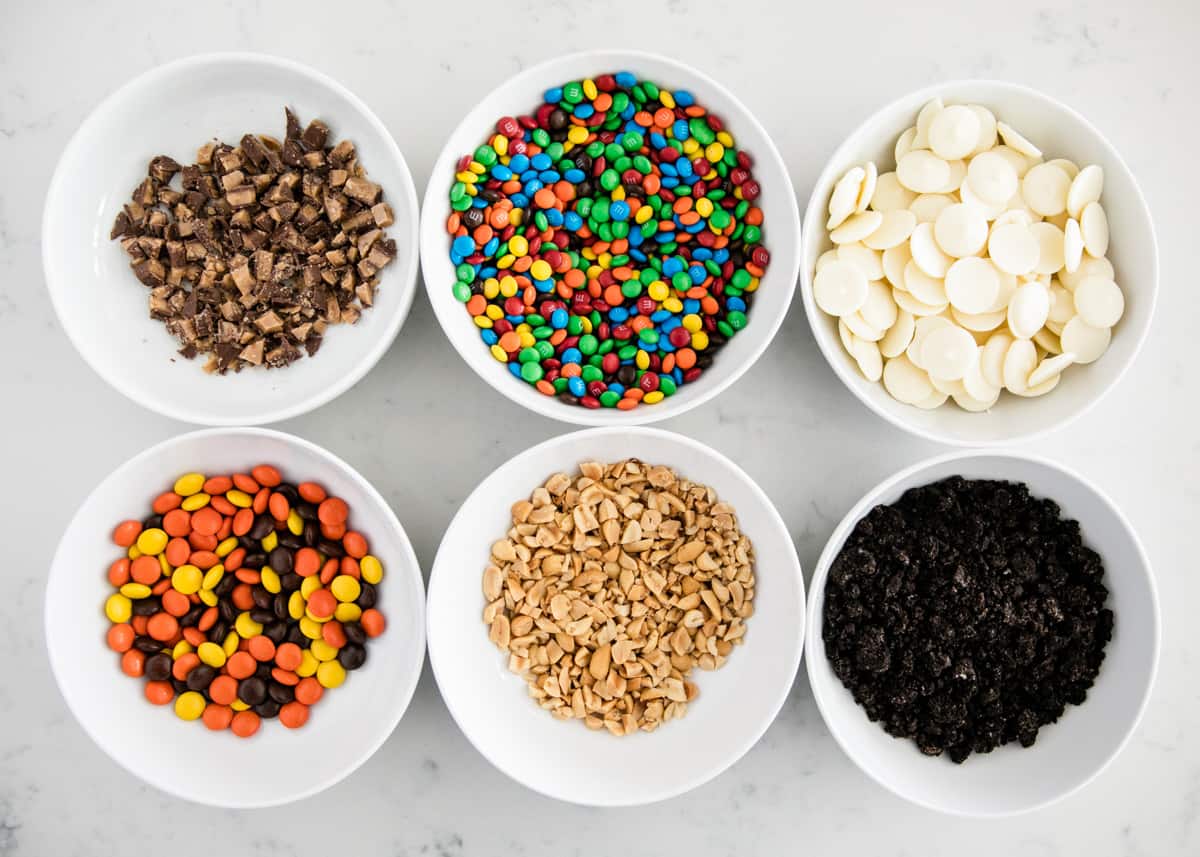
242,597
608,244
966,615
611,586
260,247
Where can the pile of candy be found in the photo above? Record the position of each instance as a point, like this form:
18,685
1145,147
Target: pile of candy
608,245
244,595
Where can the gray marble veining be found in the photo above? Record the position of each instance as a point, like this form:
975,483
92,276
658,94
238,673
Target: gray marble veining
810,72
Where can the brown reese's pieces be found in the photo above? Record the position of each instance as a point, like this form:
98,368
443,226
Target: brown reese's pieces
263,247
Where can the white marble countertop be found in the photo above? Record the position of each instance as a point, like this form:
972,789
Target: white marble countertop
1131,67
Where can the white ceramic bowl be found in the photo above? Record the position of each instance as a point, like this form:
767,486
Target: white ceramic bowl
563,759
277,765
103,307
1068,754
781,231
1060,132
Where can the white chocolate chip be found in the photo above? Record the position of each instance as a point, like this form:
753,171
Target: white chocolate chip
1013,248
894,261
961,230
870,363
947,352
991,357
869,261
856,227
1050,367
1072,245
987,129
845,197
972,285
880,310
1019,361
904,144
954,132
1086,188
924,120
917,307
1045,189
897,225
926,252
1093,226
840,288
1028,310
1013,139
890,194
1051,247
927,289
898,337
1099,302
867,189
1087,343
905,381
921,329
921,171
928,206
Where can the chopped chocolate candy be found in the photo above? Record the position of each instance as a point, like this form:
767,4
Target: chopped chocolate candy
260,247
966,615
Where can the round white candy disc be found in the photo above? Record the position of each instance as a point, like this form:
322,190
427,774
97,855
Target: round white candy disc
991,358
1086,342
899,335
870,363
927,289
867,189
894,260
961,230
1045,189
1099,302
880,310
897,225
1072,245
992,177
926,252
1050,367
924,120
890,194
954,132
844,197
1093,226
1050,247
905,381
922,171
1015,140
947,352
928,206
1020,360
987,129
1085,188
1013,248
856,227
840,288
868,260
1028,309
972,284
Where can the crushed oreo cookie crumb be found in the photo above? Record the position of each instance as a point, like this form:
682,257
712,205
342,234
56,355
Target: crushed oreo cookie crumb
966,615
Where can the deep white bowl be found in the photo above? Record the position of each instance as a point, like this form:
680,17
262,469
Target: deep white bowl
521,94
277,765
563,759
172,110
1060,132
1068,754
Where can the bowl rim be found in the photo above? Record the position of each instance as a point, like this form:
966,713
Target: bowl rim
815,618
405,280
813,218
433,255
389,516
772,518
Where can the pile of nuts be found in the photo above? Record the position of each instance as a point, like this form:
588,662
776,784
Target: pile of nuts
261,248
611,586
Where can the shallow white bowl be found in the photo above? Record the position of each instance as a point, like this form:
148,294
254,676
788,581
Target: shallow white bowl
1060,132
102,306
563,759
521,94
277,765
1068,754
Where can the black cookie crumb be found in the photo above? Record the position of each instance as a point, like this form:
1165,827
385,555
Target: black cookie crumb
966,615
